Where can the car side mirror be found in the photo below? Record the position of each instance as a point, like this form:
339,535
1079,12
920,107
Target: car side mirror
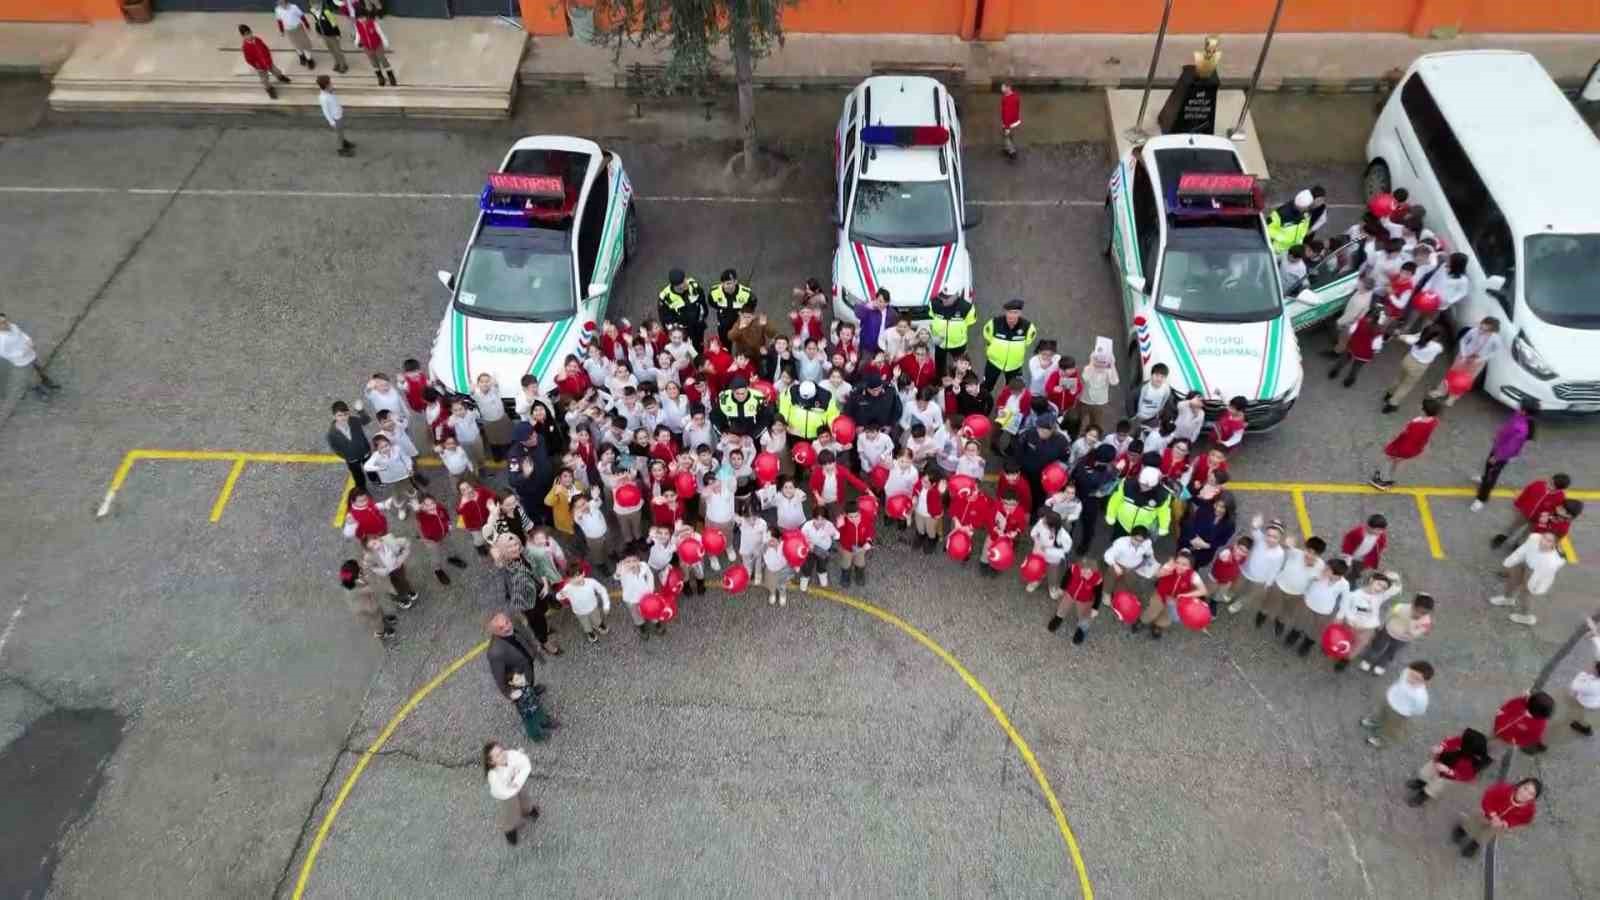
1495,286
971,218
1136,282
597,289
448,279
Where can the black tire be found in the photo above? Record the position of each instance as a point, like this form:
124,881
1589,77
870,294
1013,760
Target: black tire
1110,231
630,233
1375,180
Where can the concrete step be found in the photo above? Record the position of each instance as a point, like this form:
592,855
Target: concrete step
349,85
243,100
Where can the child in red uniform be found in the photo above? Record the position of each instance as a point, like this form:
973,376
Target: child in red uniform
1409,443
1362,546
1175,582
855,539
573,382
927,508
1225,568
1207,468
413,382
1455,760
1366,339
363,517
1011,483
1228,430
666,510
1538,497
473,504
968,513
1010,520
1010,117
1505,806
1081,597
1521,722
259,58
828,480
433,525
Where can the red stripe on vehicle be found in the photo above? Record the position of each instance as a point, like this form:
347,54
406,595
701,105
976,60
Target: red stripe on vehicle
940,269
864,264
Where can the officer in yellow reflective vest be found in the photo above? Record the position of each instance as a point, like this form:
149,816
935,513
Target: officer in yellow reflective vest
739,410
1289,224
807,409
729,298
1006,338
1142,501
681,303
950,317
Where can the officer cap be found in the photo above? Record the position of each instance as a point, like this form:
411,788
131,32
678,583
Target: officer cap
739,382
1013,303
729,275
874,380
1046,421
675,276
521,431
807,390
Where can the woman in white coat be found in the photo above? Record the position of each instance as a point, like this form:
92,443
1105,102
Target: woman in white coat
507,772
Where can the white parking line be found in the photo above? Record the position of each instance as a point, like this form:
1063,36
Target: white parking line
10,626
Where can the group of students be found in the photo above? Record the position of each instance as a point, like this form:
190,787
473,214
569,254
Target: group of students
658,457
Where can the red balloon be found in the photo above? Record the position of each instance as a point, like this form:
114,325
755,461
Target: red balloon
1194,613
867,505
766,467
1126,605
1426,301
1458,381
764,388
959,546
879,476
1338,640
1001,555
899,506
684,482
961,484
1054,477
844,430
714,542
628,494
672,582
669,607
691,551
736,578
977,425
1033,568
651,606
796,548
1382,205
803,453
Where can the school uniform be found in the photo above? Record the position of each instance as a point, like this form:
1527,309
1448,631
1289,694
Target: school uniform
1437,776
1135,560
1363,549
1285,595
393,469
589,601
434,529
821,535
928,509
1259,571
1362,610
1080,595
1401,703
1499,802
349,441
1163,602
636,583
753,534
854,539
1053,544
594,535
1321,602
1404,624
1515,726
512,791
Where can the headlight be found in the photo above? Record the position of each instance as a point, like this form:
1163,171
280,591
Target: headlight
1528,358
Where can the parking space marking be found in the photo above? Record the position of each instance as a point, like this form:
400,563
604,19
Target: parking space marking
227,490
1301,513
1429,530
1074,854
340,507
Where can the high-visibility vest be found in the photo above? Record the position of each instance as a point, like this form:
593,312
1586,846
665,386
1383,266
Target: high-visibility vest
1007,348
675,301
1283,236
731,407
719,298
807,421
949,324
1120,510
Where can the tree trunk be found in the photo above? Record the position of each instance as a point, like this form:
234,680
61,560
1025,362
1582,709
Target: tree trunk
745,75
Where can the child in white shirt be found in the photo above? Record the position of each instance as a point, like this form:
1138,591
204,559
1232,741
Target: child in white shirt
775,572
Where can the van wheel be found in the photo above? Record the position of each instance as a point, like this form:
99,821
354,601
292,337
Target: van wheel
1376,179
1108,229
630,234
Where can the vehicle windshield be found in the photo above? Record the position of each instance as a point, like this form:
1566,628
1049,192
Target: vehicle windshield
1561,281
515,278
903,214
1219,274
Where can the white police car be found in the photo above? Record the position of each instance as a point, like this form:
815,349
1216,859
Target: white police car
556,224
1199,283
899,199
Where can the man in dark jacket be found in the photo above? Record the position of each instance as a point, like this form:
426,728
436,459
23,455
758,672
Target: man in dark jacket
1037,448
346,438
876,405
1094,479
531,473
739,410
511,657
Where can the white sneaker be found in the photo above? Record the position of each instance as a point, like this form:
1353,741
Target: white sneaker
1476,505
1377,670
732,557
771,598
1056,593
1524,618
822,579
1366,666
805,582
1500,600
1235,606
1477,479
1031,586
783,598
716,564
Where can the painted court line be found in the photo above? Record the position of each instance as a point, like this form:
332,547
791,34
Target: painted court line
1074,854
11,625
227,490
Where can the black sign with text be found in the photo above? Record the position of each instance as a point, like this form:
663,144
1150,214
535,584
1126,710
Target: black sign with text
1191,108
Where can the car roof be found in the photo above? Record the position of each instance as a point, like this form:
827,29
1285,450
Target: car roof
1529,144
903,100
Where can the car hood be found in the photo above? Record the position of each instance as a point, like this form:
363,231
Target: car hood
911,274
467,346
1256,360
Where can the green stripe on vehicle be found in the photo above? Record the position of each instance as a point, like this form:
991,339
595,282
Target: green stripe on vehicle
458,337
1269,363
557,335
1191,372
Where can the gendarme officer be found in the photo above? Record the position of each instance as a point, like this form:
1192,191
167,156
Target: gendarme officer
729,298
741,411
1006,338
950,318
681,303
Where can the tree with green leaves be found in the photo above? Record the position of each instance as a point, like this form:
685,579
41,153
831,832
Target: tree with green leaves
693,30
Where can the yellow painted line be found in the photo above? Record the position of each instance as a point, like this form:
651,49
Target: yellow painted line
339,508
227,490
1301,513
1336,487
366,757
117,478
1570,551
1000,718
860,605
1428,528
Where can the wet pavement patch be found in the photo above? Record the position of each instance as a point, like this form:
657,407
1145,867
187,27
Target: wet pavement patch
51,774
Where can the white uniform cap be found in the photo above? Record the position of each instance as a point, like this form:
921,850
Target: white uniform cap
1149,476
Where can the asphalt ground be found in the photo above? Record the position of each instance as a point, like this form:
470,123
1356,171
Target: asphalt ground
223,282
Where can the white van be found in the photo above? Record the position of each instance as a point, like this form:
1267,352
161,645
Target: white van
1509,174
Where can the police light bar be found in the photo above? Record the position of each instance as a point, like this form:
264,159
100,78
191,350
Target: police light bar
512,199
905,135
547,187
1218,193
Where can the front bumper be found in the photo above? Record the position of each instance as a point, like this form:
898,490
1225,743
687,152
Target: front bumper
1259,415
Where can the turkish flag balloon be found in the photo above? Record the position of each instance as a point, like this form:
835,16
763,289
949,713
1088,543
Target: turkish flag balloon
651,607
977,425
1054,477
804,454
796,548
1381,205
899,506
766,467
959,546
736,578
764,388
714,542
1033,568
672,582
1426,301
1458,381
961,484
867,505
691,551
879,476
844,430
1001,555
1194,613
684,482
669,607
1338,640
628,494
1126,605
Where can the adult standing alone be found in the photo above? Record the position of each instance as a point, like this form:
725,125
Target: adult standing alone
1512,436
507,772
511,658
17,348
347,438
333,112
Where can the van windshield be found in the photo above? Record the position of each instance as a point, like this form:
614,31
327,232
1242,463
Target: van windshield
1561,278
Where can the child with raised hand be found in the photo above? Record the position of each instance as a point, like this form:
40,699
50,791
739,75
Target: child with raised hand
433,526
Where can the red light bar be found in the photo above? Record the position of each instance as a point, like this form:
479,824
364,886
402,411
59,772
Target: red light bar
905,135
548,187
1218,192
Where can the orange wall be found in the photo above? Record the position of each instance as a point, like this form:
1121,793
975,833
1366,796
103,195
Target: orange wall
1190,17
1530,15
58,10
875,16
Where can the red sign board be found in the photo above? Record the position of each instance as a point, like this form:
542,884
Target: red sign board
1216,184
527,185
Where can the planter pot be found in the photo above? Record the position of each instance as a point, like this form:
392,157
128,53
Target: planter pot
136,10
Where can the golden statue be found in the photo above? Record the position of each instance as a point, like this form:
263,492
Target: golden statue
1208,57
